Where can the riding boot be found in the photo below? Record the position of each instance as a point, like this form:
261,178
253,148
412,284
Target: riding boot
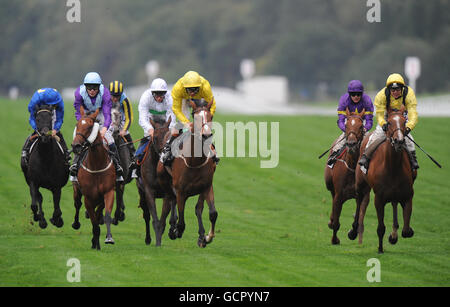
413,160
130,145
73,170
166,155
367,155
26,151
114,154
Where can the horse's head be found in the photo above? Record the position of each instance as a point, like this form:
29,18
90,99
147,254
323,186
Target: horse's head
85,132
116,116
161,127
396,128
44,121
201,112
354,130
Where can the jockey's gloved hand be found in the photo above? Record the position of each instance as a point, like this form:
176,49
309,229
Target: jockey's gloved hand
385,127
408,130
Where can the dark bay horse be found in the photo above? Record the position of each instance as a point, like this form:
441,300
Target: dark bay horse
192,172
340,180
96,177
46,168
150,189
391,178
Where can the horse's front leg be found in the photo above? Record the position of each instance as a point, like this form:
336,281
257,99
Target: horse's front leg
109,203
336,213
77,204
379,206
212,215
181,202
34,201
90,209
145,215
407,231
393,237
201,229
40,214
119,215
56,219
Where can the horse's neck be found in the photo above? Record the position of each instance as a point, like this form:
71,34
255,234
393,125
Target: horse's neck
352,158
196,159
393,159
97,157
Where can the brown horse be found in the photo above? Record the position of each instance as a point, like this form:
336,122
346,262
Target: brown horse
391,178
149,188
340,180
193,171
96,177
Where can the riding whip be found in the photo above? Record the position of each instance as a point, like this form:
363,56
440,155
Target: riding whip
435,162
325,152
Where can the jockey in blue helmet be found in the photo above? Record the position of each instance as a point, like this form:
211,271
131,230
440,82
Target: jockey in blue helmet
46,96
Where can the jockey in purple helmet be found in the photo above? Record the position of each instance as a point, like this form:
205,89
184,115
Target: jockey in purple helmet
355,100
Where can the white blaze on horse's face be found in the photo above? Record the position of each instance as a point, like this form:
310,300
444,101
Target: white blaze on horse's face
202,118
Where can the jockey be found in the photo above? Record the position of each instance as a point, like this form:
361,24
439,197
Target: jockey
355,100
121,103
394,95
190,86
92,95
155,102
46,96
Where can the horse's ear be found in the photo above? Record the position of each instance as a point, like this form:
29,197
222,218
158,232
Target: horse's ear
82,111
94,115
169,121
347,112
361,114
210,104
192,104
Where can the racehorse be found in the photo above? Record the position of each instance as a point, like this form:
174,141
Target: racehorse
125,160
340,180
46,167
193,171
96,177
391,178
150,189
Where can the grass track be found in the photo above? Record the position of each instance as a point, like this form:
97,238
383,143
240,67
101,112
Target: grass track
272,224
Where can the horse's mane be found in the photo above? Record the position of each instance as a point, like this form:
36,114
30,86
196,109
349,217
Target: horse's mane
159,119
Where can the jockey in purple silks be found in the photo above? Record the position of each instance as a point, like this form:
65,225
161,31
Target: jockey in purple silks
355,100
92,95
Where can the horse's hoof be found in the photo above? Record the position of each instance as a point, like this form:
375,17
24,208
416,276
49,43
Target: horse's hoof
393,240
43,224
335,241
109,240
352,234
408,233
201,242
148,241
35,217
58,222
115,222
76,225
122,217
172,234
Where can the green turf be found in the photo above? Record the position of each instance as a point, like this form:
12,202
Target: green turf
271,230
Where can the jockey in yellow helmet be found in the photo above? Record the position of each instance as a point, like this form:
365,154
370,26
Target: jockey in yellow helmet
190,86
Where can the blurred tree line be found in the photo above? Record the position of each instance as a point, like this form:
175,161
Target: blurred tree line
311,42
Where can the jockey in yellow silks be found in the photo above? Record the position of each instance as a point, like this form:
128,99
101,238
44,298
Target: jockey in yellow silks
395,94
190,86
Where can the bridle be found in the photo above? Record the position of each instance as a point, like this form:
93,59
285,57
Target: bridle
355,132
